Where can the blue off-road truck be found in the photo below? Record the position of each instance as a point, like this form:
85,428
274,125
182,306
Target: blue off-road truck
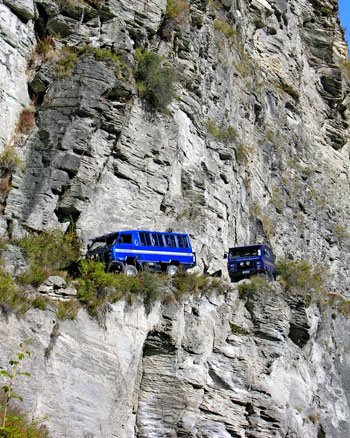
245,261
136,250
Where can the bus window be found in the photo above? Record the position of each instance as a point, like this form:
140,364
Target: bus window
145,239
182,241
170,240
157,239
125,238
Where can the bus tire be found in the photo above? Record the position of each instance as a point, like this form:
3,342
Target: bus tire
172,270
130,270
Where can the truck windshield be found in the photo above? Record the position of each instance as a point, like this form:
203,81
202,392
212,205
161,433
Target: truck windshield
248,251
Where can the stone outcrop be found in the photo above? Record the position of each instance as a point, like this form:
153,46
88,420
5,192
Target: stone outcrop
57,288
214,366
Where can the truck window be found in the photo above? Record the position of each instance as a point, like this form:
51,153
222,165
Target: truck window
182,241
248,251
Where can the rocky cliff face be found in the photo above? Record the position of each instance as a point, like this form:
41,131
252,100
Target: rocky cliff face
269,71
253,149
214,366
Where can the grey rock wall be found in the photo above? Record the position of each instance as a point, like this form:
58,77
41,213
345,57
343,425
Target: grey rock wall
214,366
17,39
99,157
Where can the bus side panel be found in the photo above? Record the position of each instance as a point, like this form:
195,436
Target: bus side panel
156,254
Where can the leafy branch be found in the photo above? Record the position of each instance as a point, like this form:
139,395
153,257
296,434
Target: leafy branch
10,378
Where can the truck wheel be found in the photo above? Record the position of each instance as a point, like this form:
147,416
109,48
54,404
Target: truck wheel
130,271
172,270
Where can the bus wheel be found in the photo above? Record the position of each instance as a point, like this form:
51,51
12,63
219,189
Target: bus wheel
268,276
172,270
130,271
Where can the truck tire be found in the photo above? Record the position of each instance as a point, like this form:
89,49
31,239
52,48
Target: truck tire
130,270
172,270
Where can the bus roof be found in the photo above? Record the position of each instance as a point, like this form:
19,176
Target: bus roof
115,233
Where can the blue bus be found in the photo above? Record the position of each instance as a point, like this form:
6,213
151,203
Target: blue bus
244,261
136,250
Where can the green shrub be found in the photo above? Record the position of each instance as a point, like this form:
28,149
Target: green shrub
34,276
244,65
224,135
67,62
151,284
257,283
100,54
175,9
223,27
341,233
124,285
155,79
48,253
344,308
9,160
67,309
26,120
299,277
215,5
14,423
45,45
39,303
19,426
70,55
238,330
338,303
242,154
97,287
185,282
12,297
93,285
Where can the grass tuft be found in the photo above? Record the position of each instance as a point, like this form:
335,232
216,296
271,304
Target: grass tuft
155,79
67,309
223,27
224,135
175,9
256,283
300,278
48,253
9,160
